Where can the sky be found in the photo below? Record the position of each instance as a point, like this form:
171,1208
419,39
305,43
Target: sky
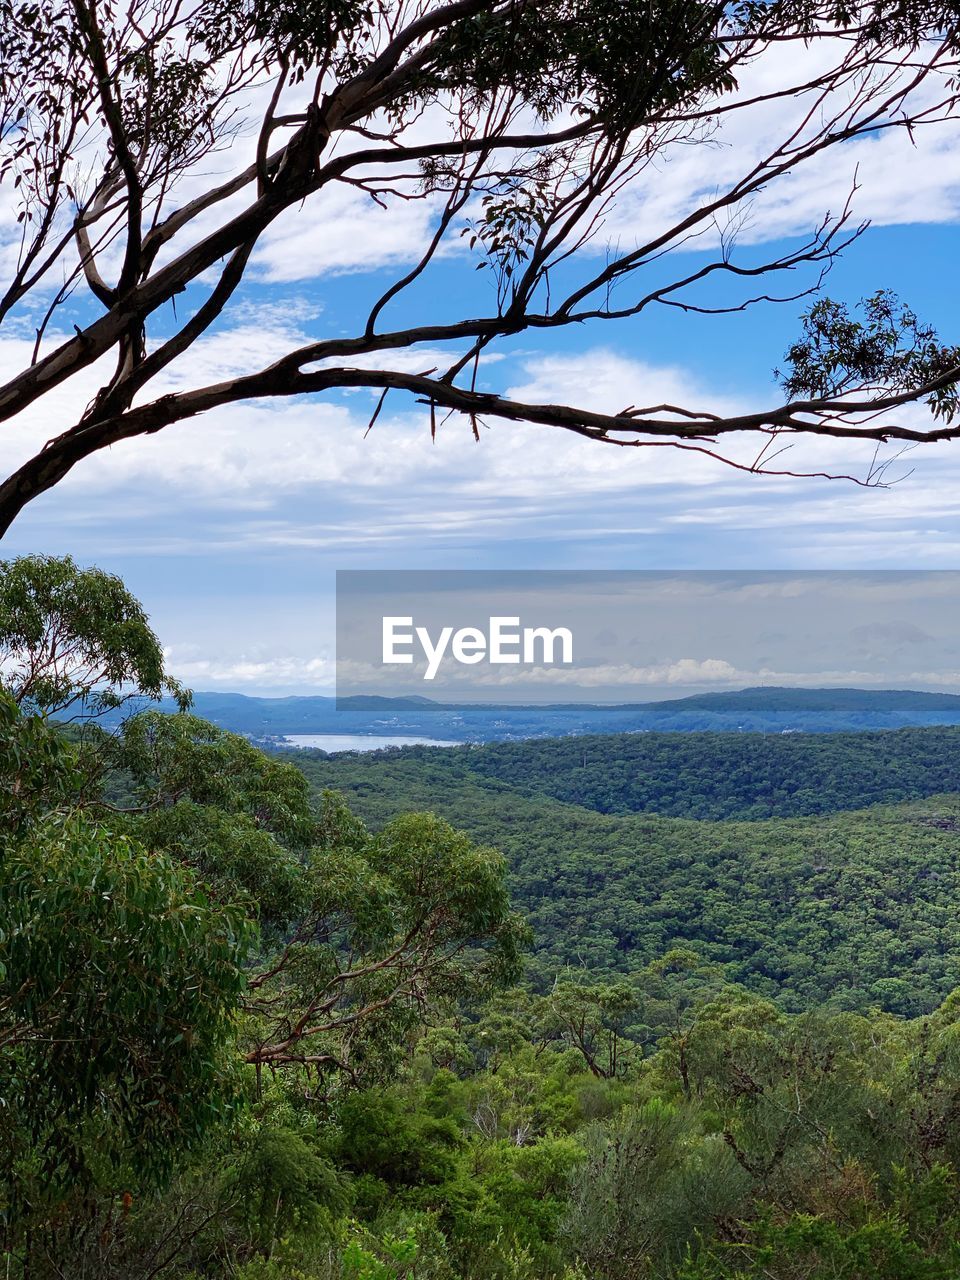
230,528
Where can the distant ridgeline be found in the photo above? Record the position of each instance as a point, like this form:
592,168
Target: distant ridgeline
760,710
852,909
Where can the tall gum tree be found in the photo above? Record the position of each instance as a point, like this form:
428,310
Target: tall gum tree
519,123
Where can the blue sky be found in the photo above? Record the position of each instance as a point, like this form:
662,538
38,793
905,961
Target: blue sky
230,528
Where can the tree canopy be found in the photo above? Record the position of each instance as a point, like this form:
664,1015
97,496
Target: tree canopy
175,917
74,638
518,124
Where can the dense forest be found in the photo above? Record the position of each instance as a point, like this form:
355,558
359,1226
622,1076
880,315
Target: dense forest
851,909
389,1018
679,775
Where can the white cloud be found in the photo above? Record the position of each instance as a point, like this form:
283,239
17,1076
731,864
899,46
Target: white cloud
608,382
252,453
305,473
243,671
902,178
683,673
341,230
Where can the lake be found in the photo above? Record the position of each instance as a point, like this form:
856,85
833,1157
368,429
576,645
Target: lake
358,741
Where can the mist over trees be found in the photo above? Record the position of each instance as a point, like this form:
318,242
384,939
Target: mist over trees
520,126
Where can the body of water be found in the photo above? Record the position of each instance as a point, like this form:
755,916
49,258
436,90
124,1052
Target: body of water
359,741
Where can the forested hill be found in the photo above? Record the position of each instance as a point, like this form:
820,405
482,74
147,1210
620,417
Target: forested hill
717,776
697,775
849,909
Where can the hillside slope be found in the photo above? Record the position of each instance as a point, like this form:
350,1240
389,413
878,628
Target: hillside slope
698,775
849,909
